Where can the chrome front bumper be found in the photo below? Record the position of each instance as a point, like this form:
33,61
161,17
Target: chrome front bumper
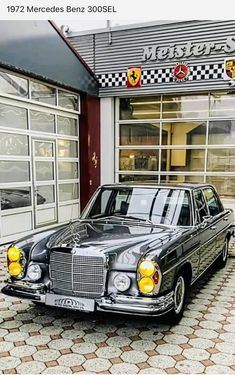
115,303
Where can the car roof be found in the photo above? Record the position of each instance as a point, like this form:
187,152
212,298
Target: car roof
188,186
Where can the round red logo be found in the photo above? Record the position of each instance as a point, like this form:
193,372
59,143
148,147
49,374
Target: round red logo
180,72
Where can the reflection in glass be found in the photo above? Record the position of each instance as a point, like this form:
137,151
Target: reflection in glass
68,192
13,117
184,133
136,178
67,170
67,149
222,104
14,171
13,144
68,100
190,106
221,132
43,93
224,185
44,170
15,197
41,121
221,160
43,149
139,134
13,85
182,160
147,107
139,160
66,125
45,194
182,179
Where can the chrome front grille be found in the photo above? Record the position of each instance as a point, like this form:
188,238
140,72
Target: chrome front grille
77,274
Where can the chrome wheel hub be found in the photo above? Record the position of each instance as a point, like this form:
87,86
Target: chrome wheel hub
179,294
225,251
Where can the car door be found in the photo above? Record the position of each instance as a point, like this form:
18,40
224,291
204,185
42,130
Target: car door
206,231
219,217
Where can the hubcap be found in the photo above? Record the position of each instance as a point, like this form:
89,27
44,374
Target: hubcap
179,294
225,251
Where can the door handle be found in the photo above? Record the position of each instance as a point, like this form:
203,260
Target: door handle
213,227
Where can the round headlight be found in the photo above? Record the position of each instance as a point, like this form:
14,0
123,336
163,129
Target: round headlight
13,254
34,272
15,269
146,285
122,282
146,268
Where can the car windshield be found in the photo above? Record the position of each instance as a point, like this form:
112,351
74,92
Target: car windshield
167,206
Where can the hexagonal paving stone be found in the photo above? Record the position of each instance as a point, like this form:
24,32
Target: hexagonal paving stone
214,317
118,341
128,331
188,322
9,362
151,335
83,324
46,355
176,339
51,330
6,346
169,349
196,354
72,334
143,345
11,324
134,356
225,347
108,352
42,319
228,337
3,332
201,343
16,336
32,367
60,344
124,368
223,359
152,370
161,361
104,328
182,330
216,369
71,360
31,327
229,327
206,333
97,364
190,367
210,324
95,337
23,351
84,348
58,370
38,340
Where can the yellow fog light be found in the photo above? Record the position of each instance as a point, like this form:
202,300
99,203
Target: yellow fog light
13,254
15,269
147,268
146,285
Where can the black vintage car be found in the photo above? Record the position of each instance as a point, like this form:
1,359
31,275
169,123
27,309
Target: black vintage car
136,249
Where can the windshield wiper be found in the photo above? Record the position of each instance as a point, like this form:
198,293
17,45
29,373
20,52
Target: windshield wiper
121,217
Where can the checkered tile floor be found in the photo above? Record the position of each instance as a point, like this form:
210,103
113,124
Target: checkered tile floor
35,339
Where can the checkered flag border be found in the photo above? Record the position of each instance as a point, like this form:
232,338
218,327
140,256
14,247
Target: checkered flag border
153,76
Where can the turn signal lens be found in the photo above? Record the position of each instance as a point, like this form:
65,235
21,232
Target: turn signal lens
156,277
15,269
13,254
146,285
147,268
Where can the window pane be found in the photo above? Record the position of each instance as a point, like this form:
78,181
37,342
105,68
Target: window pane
67,125
139,160
13,85
13,144
139,134
67,170
67,149
14,171
222,104
221,160
15,197
68,100
222,132
184,133
225,186
182,179
43,93
44,170
41,121
45,194
13,117
140,108
182,160
43,149
140,178
212,202
200,205
68,192
190,106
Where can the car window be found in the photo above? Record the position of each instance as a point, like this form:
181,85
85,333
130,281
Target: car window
200,205
212,201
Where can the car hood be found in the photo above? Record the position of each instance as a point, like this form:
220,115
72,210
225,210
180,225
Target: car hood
124,243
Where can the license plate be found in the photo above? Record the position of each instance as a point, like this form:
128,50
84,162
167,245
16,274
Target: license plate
73,303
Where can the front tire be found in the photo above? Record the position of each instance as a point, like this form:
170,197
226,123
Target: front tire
222,260
180,293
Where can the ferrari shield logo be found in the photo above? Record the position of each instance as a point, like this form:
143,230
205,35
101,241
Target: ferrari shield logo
229,68
134,77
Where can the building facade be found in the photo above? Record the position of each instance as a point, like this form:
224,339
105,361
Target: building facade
178,123
46,94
